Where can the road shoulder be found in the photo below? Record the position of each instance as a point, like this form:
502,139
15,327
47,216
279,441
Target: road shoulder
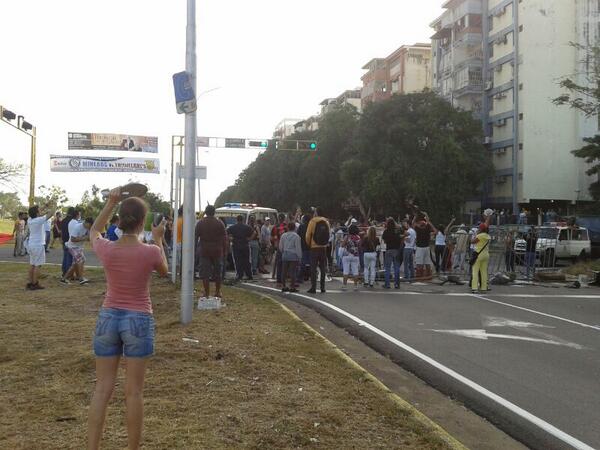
452,417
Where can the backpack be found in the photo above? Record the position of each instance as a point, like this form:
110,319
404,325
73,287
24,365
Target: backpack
321,233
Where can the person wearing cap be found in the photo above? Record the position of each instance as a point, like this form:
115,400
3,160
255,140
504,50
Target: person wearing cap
479,280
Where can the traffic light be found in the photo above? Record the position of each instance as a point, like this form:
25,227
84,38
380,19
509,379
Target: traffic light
310,146
260,144
8,115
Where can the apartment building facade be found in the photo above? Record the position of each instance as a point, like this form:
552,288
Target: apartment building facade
406,70
285,128
525,52
458,55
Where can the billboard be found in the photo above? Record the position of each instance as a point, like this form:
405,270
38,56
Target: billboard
119,142
62,163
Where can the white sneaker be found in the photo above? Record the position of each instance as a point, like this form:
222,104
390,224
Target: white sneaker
202,303
84,281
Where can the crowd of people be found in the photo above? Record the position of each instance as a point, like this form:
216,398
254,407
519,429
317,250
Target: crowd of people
308,247
300,247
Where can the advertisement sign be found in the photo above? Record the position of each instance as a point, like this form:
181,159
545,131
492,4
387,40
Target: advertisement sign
119,142
62,163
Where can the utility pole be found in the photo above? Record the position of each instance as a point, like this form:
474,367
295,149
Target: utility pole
189,216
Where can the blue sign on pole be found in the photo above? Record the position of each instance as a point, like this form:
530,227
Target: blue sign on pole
185,97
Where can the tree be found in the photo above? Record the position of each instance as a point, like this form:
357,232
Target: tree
411,145
10,205
52,194
91,204
156,204
584,96
9,173
416,146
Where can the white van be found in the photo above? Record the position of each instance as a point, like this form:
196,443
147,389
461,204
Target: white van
559,242
229,212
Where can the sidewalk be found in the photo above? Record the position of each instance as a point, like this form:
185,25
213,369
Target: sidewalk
250,375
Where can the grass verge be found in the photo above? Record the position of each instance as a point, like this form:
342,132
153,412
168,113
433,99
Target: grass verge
257,378
6,226
583,268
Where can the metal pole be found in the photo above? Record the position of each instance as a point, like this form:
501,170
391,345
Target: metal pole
516,109
32,164
171,186
189,222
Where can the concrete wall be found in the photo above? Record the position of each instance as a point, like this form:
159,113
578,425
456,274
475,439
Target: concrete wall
549,133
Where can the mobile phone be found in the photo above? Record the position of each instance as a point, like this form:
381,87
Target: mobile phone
158,218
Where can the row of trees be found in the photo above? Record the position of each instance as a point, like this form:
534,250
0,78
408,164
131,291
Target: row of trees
90,204
414,146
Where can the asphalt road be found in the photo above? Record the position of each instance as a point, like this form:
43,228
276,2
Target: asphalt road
526,358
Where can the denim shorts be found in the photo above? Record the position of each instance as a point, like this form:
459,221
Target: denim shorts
123,332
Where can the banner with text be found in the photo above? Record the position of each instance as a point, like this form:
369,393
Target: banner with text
119,142
62,163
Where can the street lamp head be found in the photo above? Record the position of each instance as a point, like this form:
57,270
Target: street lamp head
8,115
26,126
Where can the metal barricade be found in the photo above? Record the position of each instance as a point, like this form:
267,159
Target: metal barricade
508,251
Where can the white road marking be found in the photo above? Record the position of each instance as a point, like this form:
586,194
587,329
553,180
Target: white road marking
574,322
484,335
502,322
547,427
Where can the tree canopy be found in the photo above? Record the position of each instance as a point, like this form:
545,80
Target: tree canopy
414,145
584,96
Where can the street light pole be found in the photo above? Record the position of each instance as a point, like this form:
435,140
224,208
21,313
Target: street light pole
189,222
32,165
23,126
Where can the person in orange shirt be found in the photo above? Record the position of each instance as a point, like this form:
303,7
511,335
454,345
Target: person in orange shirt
179,236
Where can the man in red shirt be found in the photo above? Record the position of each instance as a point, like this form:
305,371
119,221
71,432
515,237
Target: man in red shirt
211,239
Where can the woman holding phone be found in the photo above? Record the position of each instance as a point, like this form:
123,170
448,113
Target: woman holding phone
125,325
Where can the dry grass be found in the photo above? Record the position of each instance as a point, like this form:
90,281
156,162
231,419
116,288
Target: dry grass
6,226
583,268
256,379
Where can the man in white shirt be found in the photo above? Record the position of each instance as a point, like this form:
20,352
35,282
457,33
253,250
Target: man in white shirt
78,234
36,247
410,245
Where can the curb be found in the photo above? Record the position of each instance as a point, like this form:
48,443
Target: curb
426,421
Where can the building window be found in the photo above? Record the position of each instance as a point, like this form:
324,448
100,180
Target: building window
520,28
520,86
520,116
520,177
521,146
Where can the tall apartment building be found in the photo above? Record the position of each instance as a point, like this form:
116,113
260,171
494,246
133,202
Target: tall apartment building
458,55
525,46
406,70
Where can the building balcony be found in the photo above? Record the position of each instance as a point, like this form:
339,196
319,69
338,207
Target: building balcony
470,88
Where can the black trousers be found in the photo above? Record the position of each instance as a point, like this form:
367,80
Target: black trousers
241,257
318,257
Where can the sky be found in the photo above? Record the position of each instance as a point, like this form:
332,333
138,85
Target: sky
106,67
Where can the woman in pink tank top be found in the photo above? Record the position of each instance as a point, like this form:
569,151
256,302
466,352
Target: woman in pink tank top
125,325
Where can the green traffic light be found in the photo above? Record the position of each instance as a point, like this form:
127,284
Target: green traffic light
264,144
313,145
